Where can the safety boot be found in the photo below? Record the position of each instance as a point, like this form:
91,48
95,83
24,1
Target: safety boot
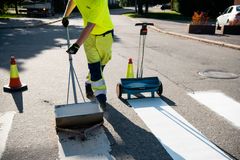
102,101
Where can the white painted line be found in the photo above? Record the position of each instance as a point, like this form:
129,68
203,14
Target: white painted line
221,104
5,126
96,147
180,139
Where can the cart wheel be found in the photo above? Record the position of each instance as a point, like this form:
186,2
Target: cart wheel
119,90
160,90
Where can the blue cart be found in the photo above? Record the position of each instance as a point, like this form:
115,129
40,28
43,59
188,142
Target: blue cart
140,84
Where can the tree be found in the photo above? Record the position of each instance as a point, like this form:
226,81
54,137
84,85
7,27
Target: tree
4,3
139,6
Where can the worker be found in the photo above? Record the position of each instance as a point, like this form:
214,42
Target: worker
97,39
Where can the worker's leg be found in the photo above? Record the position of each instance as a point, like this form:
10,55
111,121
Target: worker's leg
95,67
104,47
88,86
98,83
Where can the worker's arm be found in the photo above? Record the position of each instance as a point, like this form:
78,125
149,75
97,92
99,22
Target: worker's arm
85,33
69,8
83,36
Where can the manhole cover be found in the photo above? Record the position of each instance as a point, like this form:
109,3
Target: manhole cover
218,74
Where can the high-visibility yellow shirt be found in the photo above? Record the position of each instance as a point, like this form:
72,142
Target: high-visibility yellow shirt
97,12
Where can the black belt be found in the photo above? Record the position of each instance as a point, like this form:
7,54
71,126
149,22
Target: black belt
105,33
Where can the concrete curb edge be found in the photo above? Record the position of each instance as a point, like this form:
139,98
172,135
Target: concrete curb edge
219,43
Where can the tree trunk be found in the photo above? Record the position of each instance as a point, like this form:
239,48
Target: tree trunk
146,6
16,8
140,7
136,4
1,7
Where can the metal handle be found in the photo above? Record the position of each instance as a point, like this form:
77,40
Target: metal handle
72,75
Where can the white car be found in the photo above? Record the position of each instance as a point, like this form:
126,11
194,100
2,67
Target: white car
231,16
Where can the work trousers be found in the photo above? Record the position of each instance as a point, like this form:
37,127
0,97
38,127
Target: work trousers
98,51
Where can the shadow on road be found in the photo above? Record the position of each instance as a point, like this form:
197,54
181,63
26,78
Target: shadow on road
137,143
165,99
30,42
18,99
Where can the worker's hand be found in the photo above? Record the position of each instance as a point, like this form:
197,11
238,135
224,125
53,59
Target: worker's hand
65,21
73,49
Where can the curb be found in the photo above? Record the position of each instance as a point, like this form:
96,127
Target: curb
219,43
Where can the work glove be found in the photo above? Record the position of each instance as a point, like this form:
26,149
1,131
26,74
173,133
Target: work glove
65,21
73,49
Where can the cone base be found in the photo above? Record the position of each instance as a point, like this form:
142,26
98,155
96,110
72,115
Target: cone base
10,90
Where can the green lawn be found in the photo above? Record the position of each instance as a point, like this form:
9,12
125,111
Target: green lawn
7,16
164,15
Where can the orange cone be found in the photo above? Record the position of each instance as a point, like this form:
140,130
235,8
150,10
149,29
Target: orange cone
15,83
130,73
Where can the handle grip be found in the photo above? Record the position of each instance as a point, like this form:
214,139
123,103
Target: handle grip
143,30
144,24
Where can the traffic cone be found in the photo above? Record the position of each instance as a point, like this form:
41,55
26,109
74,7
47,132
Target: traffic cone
15,83
130,73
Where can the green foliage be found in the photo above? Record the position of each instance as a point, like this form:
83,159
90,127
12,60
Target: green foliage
175,5
3,7
8,16
5,4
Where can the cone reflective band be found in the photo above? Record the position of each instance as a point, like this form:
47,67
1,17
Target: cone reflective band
15,83
130,73
14,77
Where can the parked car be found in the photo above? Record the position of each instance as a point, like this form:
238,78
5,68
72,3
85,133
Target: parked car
39,8
231,16
166,6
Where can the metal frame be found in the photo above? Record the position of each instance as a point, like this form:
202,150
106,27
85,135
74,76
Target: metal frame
72,75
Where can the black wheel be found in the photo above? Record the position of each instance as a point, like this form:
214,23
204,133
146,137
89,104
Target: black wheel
160,90
119,90
218,26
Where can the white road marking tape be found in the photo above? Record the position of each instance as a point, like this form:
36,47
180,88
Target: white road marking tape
180,139
96,147
5,126
221,104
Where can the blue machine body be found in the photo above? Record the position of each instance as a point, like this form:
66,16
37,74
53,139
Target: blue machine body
133,86
140,85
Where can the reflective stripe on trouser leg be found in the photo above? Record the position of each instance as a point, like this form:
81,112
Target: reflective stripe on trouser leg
88,78
99,89
97,81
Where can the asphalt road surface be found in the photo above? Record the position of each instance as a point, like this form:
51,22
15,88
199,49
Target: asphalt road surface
43,66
